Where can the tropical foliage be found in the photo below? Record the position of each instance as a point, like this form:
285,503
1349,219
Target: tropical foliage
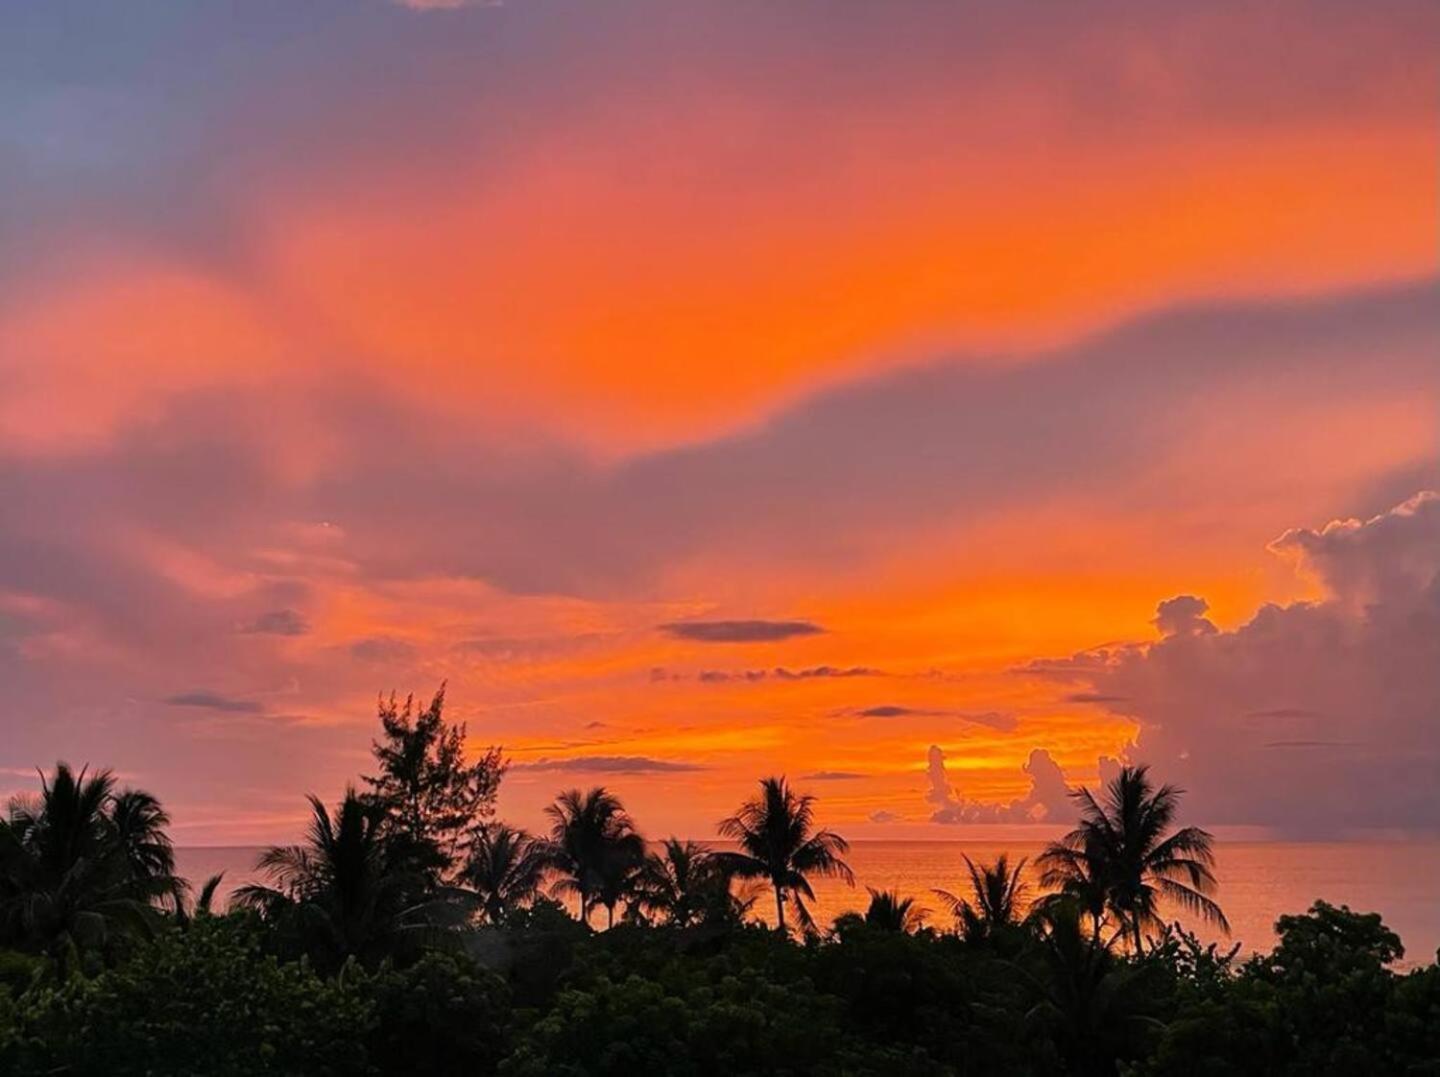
887,911
355,956
505,870
1124,857
594,850
682,885
82,865
430,798
342,893
780,845
996,900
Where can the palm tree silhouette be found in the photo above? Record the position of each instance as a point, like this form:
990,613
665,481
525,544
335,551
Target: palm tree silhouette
505,869
202,905
1098,1007
83,863
779,844
1123,858
593,848
341,892
683,883
996,895
620,874
887,911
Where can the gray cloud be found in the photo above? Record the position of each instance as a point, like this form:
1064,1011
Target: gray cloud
1355,678
382,649
898,449
214,701
739,631
609,764
832,776
781,673
1183,615
1001,720
813,672
286,622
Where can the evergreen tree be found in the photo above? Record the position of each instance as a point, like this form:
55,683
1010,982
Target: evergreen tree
432,797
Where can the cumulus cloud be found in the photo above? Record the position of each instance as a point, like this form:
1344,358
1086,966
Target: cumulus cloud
1387,558
1312,717
1183,615
214,701
284,622
609,764
1047,799
831,776
739,631
885,816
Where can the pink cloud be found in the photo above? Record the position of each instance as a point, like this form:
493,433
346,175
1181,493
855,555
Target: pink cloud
1313,717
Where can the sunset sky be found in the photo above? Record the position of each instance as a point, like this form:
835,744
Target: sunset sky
934,403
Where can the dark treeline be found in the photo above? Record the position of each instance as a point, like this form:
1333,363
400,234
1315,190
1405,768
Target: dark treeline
411,932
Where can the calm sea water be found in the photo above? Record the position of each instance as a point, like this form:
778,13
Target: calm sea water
1258,881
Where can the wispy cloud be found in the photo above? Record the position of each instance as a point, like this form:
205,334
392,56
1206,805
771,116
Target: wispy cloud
739,631
382,649
445,5
779,673
284,622
214,701
610,764
1001,720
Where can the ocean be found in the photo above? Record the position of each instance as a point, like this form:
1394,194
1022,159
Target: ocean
1259,881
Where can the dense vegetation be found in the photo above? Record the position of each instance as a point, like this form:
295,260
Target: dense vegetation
412,933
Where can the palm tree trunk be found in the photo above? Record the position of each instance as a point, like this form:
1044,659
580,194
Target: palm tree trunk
779,908
609,917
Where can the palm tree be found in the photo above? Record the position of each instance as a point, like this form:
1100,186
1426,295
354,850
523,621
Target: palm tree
187,911
997,893
620,874
1098,1008
1123,857
593,848
888,911
684,883
341,892
140,823
83,862
505,869
778,843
